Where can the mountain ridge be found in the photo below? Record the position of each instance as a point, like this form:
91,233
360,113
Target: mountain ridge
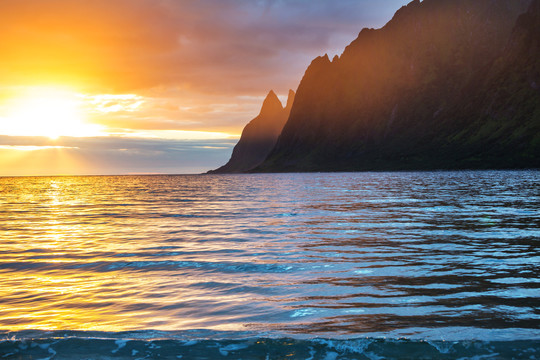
259,135
415,94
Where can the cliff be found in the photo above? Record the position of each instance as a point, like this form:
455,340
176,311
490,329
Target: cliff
259,136
445,84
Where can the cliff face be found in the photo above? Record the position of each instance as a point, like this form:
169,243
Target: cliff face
445,84
259,136
507,99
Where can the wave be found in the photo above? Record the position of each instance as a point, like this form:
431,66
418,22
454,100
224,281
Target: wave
202,344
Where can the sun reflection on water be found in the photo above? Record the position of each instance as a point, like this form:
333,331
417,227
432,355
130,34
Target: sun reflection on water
289,252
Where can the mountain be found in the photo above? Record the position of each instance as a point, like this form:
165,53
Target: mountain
259,136
445,84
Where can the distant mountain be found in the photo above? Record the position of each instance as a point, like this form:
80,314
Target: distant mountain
259,136
445,84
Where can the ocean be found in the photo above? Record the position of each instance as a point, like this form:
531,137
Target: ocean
382,265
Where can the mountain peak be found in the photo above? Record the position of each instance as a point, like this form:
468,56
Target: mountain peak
290,100
259,135
271,104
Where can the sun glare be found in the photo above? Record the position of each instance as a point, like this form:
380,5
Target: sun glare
47,112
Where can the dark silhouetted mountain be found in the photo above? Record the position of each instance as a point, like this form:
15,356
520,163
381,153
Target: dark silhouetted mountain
259,136
445,84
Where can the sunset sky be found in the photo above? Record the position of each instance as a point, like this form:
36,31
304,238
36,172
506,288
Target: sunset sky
153,86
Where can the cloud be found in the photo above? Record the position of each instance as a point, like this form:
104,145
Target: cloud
160,66
110,155
212,46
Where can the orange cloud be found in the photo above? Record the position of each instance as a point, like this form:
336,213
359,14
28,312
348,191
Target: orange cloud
211,45
149,67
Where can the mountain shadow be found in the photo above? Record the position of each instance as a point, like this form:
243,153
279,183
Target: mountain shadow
446,84
259,136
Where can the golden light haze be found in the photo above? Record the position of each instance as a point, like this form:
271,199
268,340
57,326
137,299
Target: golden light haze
46,112
52,112
144,69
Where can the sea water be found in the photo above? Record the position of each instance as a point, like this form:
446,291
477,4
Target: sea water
271,266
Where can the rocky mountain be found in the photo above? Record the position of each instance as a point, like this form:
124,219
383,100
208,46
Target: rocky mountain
259,136
445,84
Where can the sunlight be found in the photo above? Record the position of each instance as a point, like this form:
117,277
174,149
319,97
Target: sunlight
25,160
48,112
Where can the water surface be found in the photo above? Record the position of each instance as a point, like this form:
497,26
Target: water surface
433,256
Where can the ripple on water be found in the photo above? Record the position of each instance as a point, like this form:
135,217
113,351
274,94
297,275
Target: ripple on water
412,254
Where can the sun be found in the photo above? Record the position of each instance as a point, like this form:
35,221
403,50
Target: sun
47,112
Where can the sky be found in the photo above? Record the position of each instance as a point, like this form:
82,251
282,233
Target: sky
154,86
